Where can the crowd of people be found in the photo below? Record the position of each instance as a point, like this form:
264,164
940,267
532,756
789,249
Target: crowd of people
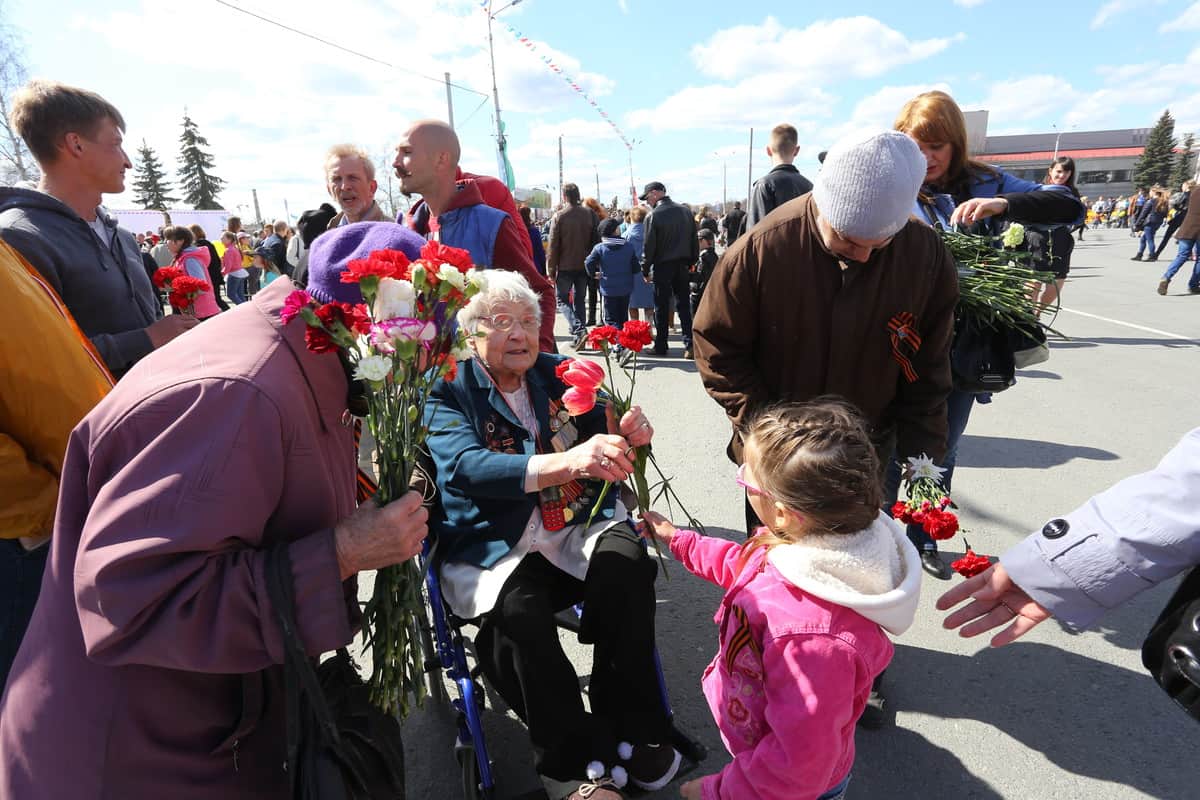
138,635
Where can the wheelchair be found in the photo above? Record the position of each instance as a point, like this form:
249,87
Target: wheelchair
445,650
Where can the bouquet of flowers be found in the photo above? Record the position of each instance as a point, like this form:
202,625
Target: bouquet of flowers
398,342
993,284
182,289
928,505
586,379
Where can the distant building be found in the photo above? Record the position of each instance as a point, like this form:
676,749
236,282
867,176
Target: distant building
1103,159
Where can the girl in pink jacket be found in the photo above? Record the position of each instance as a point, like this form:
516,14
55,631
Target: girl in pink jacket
807,602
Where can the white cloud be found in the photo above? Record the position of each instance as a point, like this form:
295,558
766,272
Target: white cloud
1026,98
968,3
271,133
1112,9
878,111
754,102
849,47
1189,20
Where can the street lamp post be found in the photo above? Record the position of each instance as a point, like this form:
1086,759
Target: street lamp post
1057,137
501,143
633,192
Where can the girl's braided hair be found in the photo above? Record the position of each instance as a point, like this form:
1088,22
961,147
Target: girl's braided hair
817,459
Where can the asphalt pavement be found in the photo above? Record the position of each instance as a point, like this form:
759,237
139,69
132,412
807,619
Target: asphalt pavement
1057,715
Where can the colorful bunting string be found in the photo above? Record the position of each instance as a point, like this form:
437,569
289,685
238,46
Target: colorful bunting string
558,70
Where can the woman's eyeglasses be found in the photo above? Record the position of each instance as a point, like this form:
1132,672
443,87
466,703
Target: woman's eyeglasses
505,322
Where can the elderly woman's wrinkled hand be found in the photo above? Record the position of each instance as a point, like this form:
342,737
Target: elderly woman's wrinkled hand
635,427
374,537
605,457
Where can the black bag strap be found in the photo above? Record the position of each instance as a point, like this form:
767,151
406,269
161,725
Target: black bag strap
300,679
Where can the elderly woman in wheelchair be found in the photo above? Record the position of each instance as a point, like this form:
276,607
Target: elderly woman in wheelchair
518,478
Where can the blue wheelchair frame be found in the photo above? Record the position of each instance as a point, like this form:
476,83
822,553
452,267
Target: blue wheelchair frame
442,641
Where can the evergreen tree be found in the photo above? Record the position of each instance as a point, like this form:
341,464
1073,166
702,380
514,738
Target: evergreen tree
1155,164
1185,163
150,187
200,187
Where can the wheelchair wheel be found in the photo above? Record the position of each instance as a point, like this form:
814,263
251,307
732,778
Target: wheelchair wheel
472,782
434,684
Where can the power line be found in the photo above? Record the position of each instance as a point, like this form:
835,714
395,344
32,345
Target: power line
344,49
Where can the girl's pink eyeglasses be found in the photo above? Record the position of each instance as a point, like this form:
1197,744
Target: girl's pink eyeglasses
740,480
751,489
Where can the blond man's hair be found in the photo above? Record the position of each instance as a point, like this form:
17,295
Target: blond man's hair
43,112
784,140
340,151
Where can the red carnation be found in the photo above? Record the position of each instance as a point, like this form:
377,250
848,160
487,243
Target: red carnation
380,264
438,253
971,564
292,305
357,319
940,525
635,335
164,275
318,341
900,512
604,333
184,290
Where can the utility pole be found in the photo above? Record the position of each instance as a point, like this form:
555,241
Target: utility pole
257,214
597,169
501,143
449,103
724,187
560,172
287,212
750,168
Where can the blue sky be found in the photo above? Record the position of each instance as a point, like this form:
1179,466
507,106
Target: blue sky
685,80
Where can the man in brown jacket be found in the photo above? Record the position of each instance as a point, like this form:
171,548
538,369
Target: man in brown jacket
838,292
572,236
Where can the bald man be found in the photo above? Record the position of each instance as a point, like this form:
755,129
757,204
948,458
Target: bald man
427,164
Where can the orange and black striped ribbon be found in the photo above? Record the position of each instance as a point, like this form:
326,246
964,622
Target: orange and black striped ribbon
742,637
366,487
905,342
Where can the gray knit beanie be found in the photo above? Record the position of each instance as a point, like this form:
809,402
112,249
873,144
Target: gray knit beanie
868,186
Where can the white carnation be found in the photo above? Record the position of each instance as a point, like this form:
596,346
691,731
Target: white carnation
394,298
477,278
373,369
452,276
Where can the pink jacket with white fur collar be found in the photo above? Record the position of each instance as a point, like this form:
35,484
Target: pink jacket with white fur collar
794,670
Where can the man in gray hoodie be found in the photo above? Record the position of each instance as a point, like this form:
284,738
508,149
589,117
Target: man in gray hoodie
62,230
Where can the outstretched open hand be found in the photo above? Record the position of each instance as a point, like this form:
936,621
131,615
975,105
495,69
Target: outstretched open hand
995,601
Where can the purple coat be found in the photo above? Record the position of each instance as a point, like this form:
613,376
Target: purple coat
152,666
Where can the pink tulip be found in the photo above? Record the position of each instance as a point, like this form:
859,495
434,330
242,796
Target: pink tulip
578,400
584,374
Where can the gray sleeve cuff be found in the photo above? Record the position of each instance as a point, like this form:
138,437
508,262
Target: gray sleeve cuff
122,350
1132,536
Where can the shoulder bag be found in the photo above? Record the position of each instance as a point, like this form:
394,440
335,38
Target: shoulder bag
1172,648
340,746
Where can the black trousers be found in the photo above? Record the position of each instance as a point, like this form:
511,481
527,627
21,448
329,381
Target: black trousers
520,652
671,279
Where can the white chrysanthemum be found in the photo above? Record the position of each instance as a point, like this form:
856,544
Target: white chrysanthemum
373,369
922,466
394,298
452,276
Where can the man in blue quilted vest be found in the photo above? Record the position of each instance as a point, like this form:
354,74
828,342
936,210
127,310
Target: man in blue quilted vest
426,164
